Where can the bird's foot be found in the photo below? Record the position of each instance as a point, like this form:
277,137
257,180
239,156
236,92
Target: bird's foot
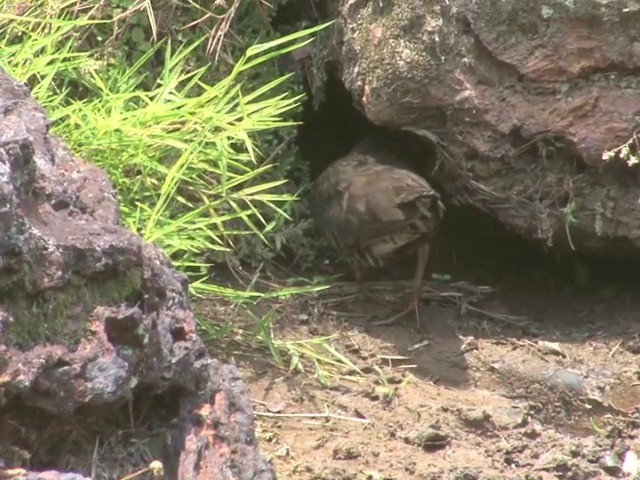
412,307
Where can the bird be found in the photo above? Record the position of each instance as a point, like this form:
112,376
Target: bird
370,204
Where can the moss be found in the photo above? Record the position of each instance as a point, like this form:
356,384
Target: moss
60,316
13,275
395,49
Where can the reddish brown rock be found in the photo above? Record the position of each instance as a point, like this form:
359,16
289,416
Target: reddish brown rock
90,316
525,95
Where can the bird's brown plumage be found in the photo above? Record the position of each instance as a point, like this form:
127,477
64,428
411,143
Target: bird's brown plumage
371,205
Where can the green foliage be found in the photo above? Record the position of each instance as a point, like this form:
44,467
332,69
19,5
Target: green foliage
180,150
325,361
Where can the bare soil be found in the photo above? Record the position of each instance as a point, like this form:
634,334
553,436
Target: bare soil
475,395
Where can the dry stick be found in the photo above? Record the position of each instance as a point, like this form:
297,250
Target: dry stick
418,345
12,472
217,34
434,294
312,415
406,367
615,349
94,459
197,21
156,468
348,314
393,357
350,287
512,319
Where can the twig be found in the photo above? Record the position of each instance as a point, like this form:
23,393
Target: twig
312,415
12,472
419,345
512,319
218,32
155,468
94,459
615,349
459,294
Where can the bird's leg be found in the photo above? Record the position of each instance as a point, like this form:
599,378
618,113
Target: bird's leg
423,257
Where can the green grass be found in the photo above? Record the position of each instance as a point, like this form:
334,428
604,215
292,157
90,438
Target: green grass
316,353
180,153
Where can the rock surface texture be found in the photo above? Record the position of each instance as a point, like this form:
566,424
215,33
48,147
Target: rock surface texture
90,315
526,95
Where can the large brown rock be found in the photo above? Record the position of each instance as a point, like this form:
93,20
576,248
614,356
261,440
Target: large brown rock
90,315
526,95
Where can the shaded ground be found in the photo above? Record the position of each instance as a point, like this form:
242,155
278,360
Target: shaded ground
475,396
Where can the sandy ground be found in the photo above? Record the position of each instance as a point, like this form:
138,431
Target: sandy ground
552,396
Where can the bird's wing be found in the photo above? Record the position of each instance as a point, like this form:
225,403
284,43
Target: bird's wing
385,200
358,200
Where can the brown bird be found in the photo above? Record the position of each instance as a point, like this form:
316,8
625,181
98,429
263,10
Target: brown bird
370,205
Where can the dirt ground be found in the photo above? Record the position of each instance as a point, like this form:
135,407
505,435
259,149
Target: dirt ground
540,383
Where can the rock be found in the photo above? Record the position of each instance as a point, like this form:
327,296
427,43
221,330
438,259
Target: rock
507,418
611,464
466,475
570,381
216,433
428,437
526,96
48,475
90,315
477,418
